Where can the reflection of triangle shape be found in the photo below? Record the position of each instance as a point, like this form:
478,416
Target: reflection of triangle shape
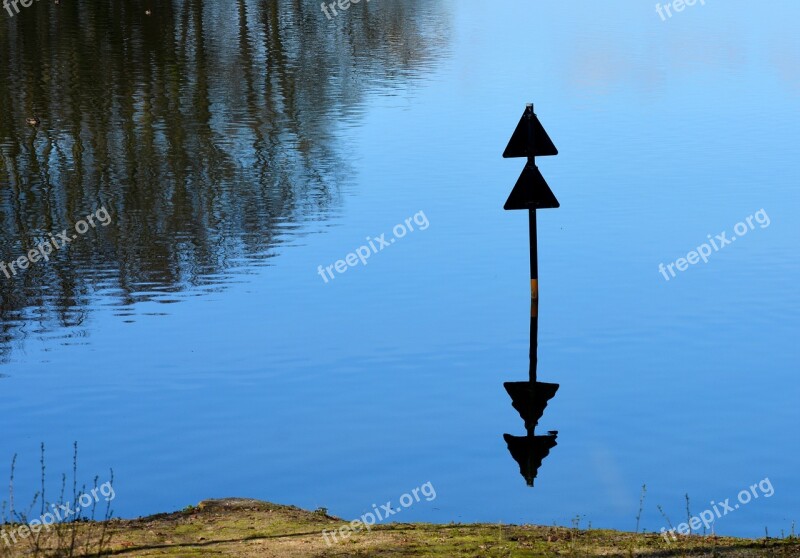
529,452
531,192
530,399
519,145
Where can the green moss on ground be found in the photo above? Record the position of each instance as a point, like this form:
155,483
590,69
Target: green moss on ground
249,528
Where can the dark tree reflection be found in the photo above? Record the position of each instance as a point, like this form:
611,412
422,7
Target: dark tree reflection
206,128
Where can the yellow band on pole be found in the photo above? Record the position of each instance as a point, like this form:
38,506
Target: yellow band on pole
535,289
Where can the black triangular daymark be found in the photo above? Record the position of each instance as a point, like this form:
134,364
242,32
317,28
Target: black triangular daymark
529,452
531,192
535,143
530,399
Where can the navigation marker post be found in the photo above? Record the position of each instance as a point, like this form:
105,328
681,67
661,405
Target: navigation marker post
530,193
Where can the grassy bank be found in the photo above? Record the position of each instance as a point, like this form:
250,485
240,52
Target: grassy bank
249,528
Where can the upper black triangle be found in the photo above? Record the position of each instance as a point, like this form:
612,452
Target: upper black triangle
538,145
531,191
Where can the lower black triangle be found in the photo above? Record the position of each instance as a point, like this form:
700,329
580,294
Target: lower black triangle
531,192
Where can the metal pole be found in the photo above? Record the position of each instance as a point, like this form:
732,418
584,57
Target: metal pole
534,262
534,295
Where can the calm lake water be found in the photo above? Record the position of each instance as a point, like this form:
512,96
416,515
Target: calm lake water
192,345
